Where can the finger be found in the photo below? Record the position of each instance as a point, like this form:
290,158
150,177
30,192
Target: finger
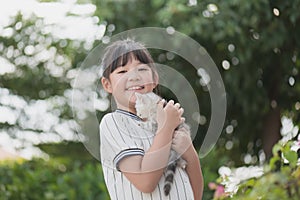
181,110
182,120
171,102
161,103
175,133
177,105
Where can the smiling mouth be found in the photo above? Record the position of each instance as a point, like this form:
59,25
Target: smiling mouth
133,88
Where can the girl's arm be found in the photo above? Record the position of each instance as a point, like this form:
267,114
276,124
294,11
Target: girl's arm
182,144
194,171
144,172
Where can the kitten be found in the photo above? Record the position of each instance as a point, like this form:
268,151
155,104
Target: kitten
146,105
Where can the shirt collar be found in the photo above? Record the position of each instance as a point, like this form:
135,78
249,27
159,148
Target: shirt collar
132,115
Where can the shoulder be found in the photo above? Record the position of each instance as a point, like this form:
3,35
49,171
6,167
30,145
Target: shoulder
114,119
108,118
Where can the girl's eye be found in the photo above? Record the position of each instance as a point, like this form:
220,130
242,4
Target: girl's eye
143,69
122,71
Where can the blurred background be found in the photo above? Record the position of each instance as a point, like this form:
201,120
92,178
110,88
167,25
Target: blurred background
255,45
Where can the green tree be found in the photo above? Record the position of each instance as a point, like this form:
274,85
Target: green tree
254,44
35,85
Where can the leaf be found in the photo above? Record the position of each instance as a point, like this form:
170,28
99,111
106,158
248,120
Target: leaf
276,148
275,163
292,157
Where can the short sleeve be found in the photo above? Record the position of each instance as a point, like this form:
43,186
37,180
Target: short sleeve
117,139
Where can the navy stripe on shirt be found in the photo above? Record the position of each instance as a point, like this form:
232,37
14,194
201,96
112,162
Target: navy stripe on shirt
134,116
125,153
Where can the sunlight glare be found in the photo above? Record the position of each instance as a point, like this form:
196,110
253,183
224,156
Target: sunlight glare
6,66
297,105
226,64
276,12
79,25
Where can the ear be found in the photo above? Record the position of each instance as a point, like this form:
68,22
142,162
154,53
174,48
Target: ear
106,85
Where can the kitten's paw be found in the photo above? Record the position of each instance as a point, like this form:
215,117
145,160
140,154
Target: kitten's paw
182,163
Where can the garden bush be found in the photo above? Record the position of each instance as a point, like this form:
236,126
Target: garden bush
51,180
279,179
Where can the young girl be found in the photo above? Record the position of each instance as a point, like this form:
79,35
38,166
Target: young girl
134,159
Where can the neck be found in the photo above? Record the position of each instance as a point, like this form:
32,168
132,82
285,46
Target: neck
128,109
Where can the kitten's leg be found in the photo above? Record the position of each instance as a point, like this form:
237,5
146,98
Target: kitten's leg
174,157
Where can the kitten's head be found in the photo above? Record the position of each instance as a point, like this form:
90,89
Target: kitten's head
146,104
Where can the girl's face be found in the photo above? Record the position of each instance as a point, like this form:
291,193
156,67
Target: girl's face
125,81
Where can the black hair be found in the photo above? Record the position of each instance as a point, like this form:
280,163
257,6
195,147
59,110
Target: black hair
121,52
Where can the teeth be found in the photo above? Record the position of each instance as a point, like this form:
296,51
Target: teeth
135,88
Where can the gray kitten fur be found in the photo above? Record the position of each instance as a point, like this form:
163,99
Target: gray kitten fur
146,105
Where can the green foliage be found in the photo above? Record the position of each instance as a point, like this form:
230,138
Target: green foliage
67,152
281,179
25,50
69,173
51,180
259,40
210,165
283,184
283,154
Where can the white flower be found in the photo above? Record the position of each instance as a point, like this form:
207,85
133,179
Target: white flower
224,171
232,178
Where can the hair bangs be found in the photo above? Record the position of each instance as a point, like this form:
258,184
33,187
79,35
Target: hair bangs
122,52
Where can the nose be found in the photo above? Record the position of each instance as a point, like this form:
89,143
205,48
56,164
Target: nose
133,75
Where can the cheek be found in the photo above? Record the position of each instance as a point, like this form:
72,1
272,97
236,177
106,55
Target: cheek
118,79
149,83
149,87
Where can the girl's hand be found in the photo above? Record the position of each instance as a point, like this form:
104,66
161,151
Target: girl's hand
182,142
169,116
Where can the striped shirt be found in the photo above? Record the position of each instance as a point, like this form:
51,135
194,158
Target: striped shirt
120,136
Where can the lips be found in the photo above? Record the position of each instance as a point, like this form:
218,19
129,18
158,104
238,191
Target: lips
133,88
